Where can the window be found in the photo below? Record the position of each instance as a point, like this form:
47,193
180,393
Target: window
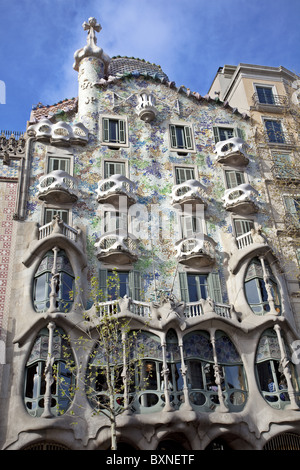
270,376
242,226
225,133
183,174
115,221
116,284
114,168
35,383
292,205
114,131
234,178
181,137
256,289
44,283
50,213
274,131
200,286
199,359
265,95
56,163
284,167
191,225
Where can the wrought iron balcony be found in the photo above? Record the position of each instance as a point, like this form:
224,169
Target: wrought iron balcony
109,190
58,186
232,152
275,103
279,138
117,248
189,192
196,252
241,199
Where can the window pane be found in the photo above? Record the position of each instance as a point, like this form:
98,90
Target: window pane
225,133
265,95
252,292
195,378
197,285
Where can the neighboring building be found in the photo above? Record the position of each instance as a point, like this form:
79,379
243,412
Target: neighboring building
168,188
271,97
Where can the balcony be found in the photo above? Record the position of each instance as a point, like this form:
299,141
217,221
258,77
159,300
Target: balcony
196,252
110,189
190,192
58,187
117,248
232,152
60,133
276,103
247,245
292,223
279,139
241,199
57,226
146,109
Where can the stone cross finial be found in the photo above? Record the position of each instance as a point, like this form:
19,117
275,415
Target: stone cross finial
91,26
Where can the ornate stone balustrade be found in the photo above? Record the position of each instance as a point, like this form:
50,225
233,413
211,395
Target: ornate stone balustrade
241,199
58,186
117,248
196,252
11,147
189,192
232,152
110,189
58,226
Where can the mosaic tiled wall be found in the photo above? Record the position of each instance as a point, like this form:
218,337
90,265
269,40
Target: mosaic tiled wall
151,167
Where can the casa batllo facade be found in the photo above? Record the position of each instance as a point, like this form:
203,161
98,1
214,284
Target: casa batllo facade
164,186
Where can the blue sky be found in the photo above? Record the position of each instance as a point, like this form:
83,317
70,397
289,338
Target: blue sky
190,39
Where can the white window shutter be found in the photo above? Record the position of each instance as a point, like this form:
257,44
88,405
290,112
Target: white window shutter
173,136
105,129
121,131
188,137
103,285
184,290
214,287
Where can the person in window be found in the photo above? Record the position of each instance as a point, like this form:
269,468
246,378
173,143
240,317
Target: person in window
272,389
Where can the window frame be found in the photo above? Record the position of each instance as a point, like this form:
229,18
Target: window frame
228,172
188,137
269,87
108,162
236,132
122,126
282,132
185,169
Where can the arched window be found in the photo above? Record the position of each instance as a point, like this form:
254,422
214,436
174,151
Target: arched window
62,377
199,359
258,281
54,279
270,376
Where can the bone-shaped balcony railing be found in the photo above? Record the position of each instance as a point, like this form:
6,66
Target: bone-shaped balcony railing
113,242
233,150
195,246
60,132
242,193
58,180
190,189
116,185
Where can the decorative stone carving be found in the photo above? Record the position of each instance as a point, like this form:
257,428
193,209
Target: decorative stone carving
11,147
91,49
